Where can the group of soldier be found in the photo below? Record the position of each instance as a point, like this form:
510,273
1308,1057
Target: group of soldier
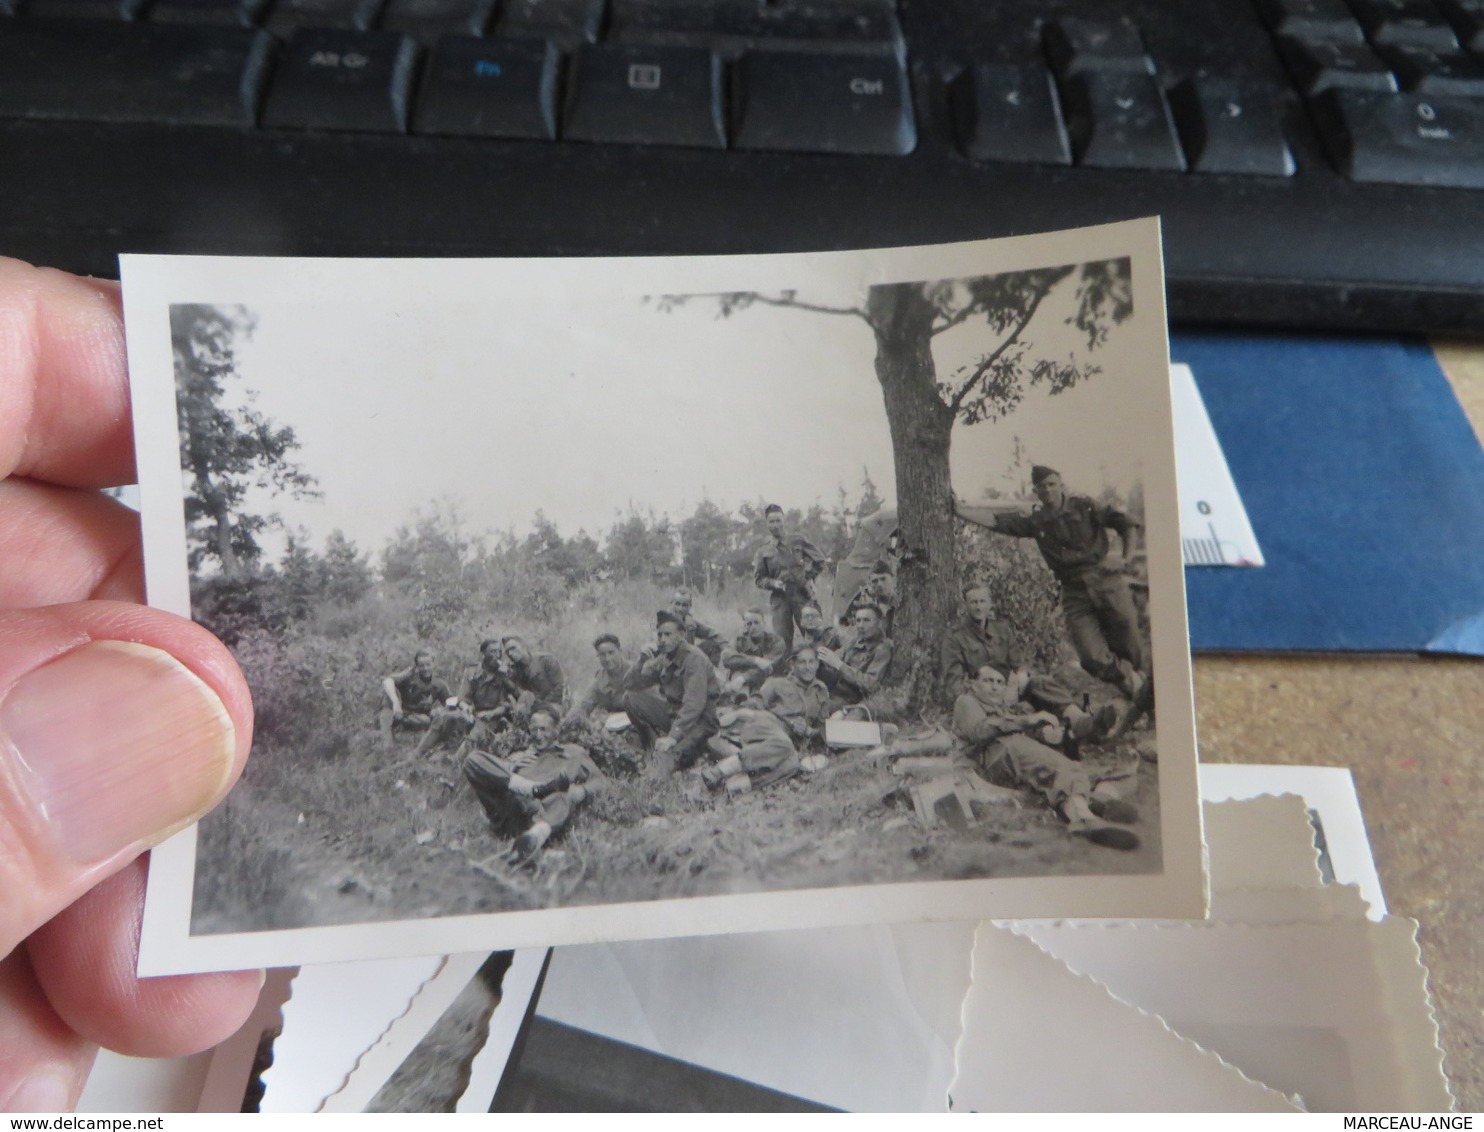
750,712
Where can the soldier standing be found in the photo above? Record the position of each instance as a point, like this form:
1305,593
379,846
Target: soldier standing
786,568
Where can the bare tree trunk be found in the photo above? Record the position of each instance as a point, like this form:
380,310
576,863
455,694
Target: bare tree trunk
921,430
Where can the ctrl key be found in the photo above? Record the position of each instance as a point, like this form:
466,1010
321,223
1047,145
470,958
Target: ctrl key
1404,139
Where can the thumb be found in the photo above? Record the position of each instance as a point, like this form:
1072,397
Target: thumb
109,743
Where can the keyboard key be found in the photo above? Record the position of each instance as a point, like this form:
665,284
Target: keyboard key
1320,66
225,13
427,20
1120,121
1326,20
342,80
732,26
1077,45
645,95
135,72
81,9
1230,126
1007,113
1404,139
287,16
1436,72
1415,22
567,23
823,103
489,88
1468,21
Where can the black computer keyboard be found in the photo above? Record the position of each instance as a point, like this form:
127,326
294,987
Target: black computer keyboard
1317,163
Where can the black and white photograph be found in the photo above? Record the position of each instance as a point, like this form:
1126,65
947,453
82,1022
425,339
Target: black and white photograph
613,599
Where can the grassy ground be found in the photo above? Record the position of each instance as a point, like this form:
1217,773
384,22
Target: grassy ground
376,836
336,830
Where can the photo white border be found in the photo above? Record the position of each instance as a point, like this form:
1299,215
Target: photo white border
153,283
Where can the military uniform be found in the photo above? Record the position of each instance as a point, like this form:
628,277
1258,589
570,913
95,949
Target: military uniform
868,595
482,691
1096,603
787,569
419,700
685,708
863,666
606,692
419,696
761,741
997,741
970,646
705,638
802,707
554,770
749,651
540,675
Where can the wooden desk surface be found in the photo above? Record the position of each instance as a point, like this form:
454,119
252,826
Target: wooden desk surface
1411,729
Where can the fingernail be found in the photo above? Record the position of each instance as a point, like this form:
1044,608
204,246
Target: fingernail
46,1089
119,745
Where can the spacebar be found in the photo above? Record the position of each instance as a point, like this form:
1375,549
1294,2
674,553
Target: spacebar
102,71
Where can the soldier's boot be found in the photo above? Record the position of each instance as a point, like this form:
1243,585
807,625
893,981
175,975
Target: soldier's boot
529,843
1084,822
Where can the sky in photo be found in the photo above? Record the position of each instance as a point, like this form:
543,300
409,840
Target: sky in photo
504,407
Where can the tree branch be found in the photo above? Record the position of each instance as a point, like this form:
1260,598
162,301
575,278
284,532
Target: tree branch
999,351
815,307
951,322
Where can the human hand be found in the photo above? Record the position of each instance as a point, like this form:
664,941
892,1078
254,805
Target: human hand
521,786
118,724
664,744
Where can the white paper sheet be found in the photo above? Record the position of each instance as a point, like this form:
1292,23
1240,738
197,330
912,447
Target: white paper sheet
1214,528
1038,1038
1259,995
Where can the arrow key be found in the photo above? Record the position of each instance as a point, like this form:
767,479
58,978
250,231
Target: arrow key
1230,126
1120,121
1006,113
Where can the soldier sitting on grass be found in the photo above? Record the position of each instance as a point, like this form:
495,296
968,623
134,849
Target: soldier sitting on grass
410,696
858,670
610,682
540,787
705,638
752,749
485,702
754,656
1010,741
799,699
537,676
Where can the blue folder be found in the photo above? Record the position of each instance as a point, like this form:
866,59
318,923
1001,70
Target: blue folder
1365,485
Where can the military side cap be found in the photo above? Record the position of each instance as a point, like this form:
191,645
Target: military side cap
1040,471
881,566
665,617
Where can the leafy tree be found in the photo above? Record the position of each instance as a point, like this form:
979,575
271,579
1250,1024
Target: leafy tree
710,541
225,449
640,549
923,405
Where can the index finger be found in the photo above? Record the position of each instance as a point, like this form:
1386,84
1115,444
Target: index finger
64,393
